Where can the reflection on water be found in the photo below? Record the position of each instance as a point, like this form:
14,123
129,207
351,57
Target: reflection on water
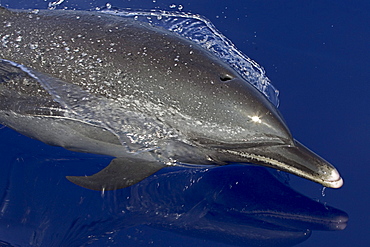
235,205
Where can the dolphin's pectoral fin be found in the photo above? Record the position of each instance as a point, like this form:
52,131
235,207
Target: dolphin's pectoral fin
120,173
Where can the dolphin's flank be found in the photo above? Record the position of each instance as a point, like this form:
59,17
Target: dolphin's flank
106,84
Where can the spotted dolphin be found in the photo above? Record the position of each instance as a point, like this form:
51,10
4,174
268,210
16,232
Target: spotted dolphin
101,83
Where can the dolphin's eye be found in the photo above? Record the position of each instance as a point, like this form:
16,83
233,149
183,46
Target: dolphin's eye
226,77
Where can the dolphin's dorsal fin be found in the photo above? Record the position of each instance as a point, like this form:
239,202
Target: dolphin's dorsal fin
120,173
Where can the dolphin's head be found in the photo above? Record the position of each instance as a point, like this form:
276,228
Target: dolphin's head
261,136
242,125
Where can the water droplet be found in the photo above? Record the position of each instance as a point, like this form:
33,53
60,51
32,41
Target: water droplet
323,191
53,5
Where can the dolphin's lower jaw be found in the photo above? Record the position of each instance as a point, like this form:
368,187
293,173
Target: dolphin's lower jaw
295,159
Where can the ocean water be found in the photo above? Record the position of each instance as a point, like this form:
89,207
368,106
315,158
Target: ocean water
315,53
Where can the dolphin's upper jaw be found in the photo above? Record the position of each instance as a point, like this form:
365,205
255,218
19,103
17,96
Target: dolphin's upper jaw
293,158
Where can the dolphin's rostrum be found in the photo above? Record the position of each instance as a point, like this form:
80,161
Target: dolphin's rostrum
105,84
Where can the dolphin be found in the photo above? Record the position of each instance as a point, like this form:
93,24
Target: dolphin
105,84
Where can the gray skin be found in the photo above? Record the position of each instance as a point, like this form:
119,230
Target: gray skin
104,84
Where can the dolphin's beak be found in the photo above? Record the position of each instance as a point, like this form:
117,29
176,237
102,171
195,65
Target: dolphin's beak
295,159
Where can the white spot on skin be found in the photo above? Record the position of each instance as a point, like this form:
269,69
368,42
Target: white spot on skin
4,40
256,119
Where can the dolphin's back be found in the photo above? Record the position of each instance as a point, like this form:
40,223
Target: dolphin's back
90,48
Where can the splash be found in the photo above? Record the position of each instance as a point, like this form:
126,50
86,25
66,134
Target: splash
53,5
202,32
323,191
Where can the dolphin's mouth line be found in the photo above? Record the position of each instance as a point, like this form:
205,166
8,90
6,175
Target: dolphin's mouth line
264,159
209,143
332,180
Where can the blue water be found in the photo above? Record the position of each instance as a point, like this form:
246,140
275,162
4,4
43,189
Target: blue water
316,53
